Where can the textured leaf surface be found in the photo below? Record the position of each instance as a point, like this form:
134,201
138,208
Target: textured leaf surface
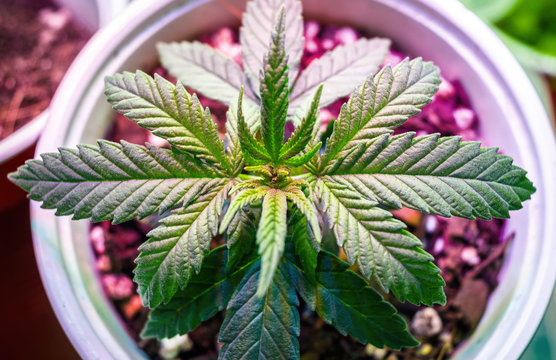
253,151
169,112
176,248
251,117
206,293
254,35
261,327
305,157
241,237
112,181
340,70
274,91
302,243
312,164
304,131
271,236
380,105
344,299
204,69
380,245
438,175
244,198
306,207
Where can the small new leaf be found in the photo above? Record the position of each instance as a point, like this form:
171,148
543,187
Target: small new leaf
251,117
303,133
274,90
307,208
257,25
254,152
304,158
244,198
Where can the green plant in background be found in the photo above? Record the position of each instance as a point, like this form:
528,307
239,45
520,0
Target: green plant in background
272,198
527,27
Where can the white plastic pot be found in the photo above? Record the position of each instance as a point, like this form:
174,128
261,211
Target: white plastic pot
92,14
439,30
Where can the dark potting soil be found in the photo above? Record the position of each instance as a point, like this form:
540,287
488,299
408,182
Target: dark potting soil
38,42
469,253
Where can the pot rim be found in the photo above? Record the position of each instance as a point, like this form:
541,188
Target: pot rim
72,310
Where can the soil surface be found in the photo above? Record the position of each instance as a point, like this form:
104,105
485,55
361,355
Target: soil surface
38,42
469,253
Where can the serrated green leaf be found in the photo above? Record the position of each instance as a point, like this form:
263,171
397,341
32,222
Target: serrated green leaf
112,181
274,90
340,70
176,248
257,26
380,245
301,243
306,207
169,111
207,292
254,152
345,300
380,105
251,116
438,175
241,237
304,158
304,132
204,69
311,162
264,327
244,198
264,171
271,236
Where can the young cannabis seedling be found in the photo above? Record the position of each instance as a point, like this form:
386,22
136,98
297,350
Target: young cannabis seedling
270,196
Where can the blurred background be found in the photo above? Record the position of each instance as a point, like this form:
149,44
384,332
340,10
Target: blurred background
38,41
528,28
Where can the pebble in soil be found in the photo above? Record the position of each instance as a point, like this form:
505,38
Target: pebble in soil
39,41
469,253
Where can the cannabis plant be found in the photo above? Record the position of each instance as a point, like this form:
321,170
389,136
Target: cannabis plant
285,208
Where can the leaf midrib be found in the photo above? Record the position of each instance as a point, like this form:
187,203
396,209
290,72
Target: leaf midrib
314,84
201,63
440,177
58,181
376,111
